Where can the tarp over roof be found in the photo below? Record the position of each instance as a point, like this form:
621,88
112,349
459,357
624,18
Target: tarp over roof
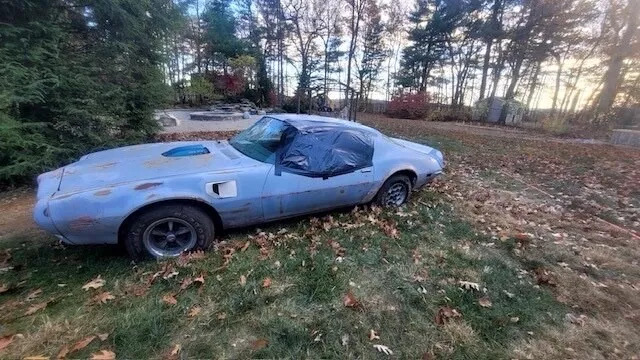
317,148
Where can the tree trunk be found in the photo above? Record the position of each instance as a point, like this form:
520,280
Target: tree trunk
613,78
557,89
533,85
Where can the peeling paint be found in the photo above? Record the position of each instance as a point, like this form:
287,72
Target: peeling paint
146,186
106,165
82,223
104,192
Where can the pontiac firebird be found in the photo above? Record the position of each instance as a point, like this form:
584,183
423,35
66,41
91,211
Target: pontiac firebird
160,200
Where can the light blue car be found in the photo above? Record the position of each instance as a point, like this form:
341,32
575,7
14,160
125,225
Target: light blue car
163,199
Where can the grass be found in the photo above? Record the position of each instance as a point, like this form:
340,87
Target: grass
468,227
301,314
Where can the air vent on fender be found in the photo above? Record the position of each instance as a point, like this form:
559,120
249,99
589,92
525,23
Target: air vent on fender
189,150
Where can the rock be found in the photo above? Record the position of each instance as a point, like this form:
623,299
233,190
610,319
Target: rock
167,120
246,115
262,112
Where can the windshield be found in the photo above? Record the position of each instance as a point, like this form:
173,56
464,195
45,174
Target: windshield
261,141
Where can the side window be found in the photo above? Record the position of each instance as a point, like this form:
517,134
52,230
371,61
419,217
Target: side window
327,152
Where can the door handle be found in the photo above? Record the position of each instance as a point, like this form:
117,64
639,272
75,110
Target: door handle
366,170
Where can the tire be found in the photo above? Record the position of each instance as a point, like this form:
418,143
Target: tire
398,187
179,227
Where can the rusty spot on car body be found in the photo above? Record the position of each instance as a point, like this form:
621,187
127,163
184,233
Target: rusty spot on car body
106,165
146,186
104,192
63,196
82,222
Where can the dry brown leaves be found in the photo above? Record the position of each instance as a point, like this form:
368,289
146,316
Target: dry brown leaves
170,299
338,250
6,341
259,344
96,283
545,277
81,344
103,355
351,302
485,302
102,298
266,282
35,308
446,314
194,311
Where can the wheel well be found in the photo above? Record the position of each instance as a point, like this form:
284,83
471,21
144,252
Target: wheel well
408,173
206,208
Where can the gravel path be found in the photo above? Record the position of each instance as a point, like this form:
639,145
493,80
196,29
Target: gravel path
187,125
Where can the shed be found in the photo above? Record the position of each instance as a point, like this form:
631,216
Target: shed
491,110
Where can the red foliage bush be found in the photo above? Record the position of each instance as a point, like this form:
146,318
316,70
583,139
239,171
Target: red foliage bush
409,105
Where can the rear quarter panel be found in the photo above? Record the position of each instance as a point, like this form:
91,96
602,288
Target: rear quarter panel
94,217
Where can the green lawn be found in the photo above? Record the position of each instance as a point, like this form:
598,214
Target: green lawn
399,281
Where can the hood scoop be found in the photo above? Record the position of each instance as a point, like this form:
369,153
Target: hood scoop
189,150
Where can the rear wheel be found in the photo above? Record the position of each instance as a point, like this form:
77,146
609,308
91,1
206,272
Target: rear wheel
169,231
395,192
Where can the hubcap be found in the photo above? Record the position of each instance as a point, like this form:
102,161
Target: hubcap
396,195
169,237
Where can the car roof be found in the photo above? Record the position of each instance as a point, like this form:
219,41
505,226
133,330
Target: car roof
302,122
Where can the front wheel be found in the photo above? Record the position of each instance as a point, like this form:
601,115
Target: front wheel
395,192
169,231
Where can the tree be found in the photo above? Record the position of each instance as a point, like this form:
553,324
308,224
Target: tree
356,10
306,29
624,39
373,50
89,77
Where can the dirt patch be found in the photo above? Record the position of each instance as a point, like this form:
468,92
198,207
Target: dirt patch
16,207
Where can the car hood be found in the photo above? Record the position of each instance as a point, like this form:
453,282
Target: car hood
435,153
147,162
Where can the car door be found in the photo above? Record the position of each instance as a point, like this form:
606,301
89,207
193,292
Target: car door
290,194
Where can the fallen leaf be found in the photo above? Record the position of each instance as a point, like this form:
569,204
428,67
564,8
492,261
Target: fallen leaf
383,349
243,280
222,316
485,302
103,297
514,319
195,311
344,340
177,348
468,285
245,246
544,277
373,335
445,314
266,282
64,351
170,299
82,343
428,356
103,337
103,355
6,341
34,294
35,308
259,344
350,301
186,282
96,283
199,279
4,288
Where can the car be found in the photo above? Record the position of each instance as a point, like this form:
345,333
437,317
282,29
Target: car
160,200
